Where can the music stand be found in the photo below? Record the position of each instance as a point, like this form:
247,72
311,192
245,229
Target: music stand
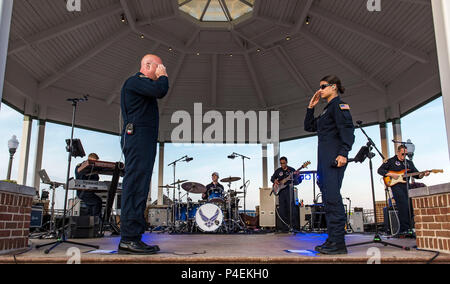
75,149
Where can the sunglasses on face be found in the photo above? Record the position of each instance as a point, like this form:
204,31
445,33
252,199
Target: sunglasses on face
323,87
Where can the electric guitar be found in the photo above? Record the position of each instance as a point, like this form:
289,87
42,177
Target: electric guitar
390,181
277,188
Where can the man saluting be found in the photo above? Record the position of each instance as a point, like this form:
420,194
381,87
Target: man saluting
139,138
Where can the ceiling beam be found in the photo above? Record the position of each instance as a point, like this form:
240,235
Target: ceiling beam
172,79
292,69
84,58
344,61
301,20
67,27
370,34
136,27
130,70
256,83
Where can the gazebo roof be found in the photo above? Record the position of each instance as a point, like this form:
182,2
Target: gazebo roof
271,57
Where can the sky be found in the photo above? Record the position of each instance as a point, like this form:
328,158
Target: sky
425,127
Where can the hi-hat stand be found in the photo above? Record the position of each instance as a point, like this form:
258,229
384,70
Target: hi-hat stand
74,150
366,152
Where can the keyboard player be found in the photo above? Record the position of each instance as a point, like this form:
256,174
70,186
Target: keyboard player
92,201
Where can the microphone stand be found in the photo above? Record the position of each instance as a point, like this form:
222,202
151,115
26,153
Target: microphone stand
176,204
62,237
244,182
362,155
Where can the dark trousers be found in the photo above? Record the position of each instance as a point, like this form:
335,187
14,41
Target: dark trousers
140,151
284,209
330,182
92,201
402,205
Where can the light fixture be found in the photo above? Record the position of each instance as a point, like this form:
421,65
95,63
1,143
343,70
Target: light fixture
170,49
308,20
288,38
142,36
123,18
13,144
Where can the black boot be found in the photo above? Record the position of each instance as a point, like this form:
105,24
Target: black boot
317,248
136,248
333,248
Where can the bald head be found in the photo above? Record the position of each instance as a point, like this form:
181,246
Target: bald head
149,64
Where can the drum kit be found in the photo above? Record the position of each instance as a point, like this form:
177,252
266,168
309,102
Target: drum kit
218,214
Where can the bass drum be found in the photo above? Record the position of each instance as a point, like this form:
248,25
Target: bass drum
209,218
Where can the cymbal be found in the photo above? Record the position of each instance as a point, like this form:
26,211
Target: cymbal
167,186
194,187
230,179
179,182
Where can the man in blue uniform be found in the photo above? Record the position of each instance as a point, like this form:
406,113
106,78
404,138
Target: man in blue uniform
336,137
139,138
399,191
214,187
286,196
92,200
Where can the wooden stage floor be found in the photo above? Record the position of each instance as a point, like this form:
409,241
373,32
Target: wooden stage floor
231,249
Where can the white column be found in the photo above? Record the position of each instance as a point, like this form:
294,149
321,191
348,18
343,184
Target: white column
384,140
264,166
397,131
38,154
6,7
24,150
276,155
441,15
161,175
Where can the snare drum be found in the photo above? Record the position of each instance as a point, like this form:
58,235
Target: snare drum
182,216
209,218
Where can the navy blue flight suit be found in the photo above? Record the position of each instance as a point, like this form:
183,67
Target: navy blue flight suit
284,199
336,137
139,107
92,200
399,190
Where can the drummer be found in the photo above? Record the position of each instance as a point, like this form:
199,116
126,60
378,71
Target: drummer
214,187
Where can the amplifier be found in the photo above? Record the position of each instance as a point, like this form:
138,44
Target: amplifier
391,222
157,216
36,216
267,208
357,223
84,227
305,215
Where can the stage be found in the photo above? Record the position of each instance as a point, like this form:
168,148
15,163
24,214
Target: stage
231,249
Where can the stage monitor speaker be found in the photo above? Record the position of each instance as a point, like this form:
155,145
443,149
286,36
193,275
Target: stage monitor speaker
267,208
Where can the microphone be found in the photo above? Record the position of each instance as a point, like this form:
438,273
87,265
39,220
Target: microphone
232,157
401,142
245,184
189,159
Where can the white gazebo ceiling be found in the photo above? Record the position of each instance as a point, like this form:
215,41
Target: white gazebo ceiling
268,56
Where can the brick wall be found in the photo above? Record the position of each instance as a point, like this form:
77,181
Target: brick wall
432,218
15,216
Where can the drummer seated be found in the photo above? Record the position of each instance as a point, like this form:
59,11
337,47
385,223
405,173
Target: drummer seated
214,189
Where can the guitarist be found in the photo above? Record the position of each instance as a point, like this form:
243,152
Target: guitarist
397,163
284,198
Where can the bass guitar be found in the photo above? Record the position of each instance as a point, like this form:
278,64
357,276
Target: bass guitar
277,188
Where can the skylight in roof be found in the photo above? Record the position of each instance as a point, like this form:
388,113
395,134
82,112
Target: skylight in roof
216,10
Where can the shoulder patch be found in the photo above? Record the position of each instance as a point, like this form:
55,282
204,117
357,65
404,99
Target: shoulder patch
344,107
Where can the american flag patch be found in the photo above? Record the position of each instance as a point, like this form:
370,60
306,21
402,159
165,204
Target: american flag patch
344,107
